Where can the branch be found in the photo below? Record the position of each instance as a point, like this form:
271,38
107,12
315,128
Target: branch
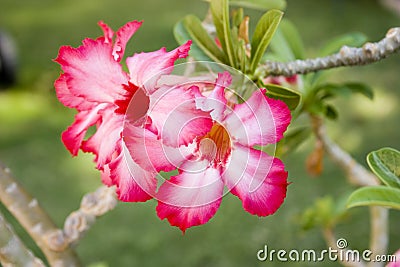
355,172
12,250
35,221
347,56
360,176
92,205
378,236
331,240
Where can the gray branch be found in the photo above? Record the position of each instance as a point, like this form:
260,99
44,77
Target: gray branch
35,220
13,252
347,56
93,205
358,175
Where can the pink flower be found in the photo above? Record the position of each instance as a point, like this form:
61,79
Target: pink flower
223,157
94,83
281,80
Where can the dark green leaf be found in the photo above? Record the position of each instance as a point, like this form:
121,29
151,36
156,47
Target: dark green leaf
331,112
290,97
385,163
220,13
292,140
263,33
345,89
354,39
260,4
375,196
202,39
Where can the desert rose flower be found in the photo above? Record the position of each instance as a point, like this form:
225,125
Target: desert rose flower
223,157
94,83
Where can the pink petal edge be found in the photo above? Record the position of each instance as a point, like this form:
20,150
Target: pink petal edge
190,199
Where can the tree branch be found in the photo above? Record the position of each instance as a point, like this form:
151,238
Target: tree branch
12,251
35,221
360,176
356,173
93,205
378,236
347,56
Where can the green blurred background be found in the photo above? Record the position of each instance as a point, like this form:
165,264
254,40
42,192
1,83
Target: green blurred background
31,121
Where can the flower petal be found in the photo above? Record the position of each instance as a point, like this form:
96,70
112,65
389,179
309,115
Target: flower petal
258,121
146,68
149,151
104,143
174,114
91,72
106,176
108,32
74,135
258,179
123,35
133,183
216,101
190,198
65,96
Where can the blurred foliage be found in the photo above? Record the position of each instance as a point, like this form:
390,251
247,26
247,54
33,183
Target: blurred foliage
31,121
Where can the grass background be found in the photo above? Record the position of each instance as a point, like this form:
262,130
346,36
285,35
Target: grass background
31,121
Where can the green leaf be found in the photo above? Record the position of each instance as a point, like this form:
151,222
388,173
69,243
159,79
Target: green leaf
375,196
331,112
202,39
263,33
292,140
182,36
354,39
290,97
220,13
237,17
293,38
260,4
280,47
385,163
325,212
345,89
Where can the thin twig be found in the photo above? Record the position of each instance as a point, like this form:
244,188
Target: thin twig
360,176
331,240
35,221
12,250
347,56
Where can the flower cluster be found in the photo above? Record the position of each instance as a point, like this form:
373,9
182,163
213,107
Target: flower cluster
145,126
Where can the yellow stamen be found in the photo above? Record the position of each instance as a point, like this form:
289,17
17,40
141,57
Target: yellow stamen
216,144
